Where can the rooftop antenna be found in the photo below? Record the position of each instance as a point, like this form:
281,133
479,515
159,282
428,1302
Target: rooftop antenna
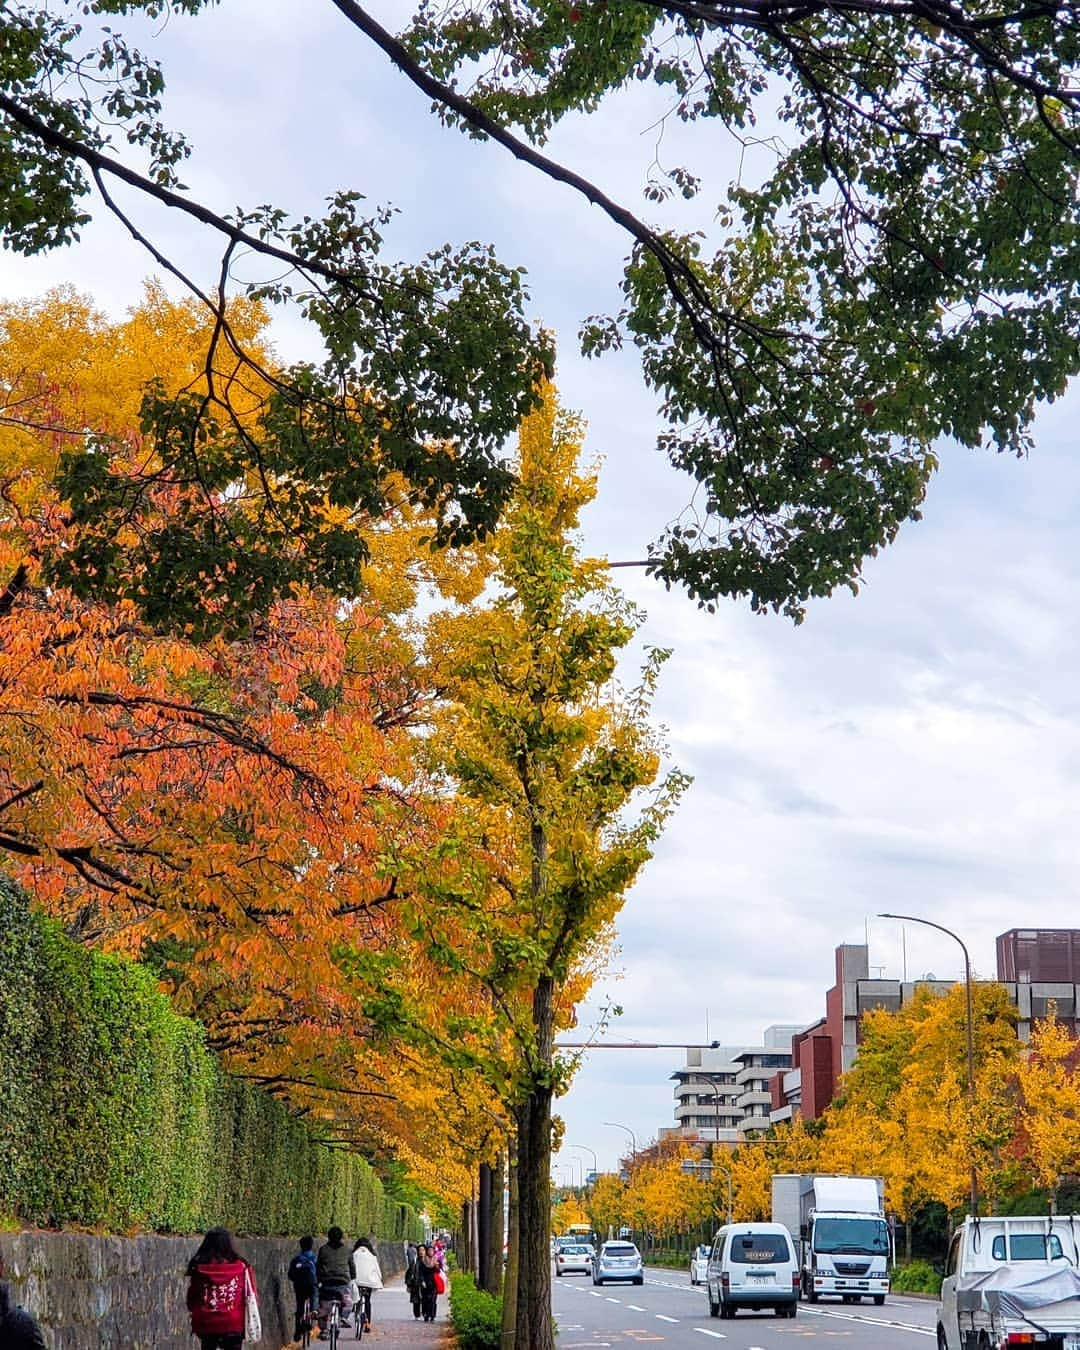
706,1024
903,948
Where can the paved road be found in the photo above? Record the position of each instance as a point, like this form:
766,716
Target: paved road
667,1311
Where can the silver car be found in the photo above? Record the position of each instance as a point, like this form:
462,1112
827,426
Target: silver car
575,1257
618,1261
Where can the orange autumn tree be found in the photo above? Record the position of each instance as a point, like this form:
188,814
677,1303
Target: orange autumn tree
222,807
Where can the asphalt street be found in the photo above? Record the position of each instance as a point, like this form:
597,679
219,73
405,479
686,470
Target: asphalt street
667,1310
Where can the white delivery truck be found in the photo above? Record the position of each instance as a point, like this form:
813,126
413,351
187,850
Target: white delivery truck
838,1225
1012,1281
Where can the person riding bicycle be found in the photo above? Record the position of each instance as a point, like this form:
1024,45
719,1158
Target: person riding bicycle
336,1271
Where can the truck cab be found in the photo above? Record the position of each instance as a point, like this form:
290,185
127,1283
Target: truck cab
1012,1281
842,1237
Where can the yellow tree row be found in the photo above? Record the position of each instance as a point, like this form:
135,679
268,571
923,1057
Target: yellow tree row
904,1113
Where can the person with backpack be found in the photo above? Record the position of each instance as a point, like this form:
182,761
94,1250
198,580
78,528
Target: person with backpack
18,1330
305,1282
220,1286
336,1271
368,1278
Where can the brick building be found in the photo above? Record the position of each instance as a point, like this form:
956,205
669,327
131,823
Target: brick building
1039,967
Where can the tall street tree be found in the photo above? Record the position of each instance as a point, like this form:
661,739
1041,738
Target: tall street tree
557,807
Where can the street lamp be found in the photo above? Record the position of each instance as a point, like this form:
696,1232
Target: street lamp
929,923
586,1149
614,1124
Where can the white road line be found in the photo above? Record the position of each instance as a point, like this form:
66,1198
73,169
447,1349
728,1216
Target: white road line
716,1335
661,1318
634,1308
595,1294
869,1321
609,1299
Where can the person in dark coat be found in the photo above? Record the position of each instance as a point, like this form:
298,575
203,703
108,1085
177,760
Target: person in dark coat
427,1268
336,1271
412,1277
305,1284
18,1330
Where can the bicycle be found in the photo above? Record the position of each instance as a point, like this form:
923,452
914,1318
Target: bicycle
306,1319
333,1324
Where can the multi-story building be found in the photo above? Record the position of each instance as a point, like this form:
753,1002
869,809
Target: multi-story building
722,1092
1039,968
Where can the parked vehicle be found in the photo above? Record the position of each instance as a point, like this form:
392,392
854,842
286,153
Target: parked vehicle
752,1265
839,1227
618,1260
1012,1281
699,1263
573,1257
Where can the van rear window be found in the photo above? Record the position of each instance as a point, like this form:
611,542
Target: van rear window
755,1248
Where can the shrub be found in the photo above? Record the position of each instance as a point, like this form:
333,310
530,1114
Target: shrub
477,1315
917,1277
114,1115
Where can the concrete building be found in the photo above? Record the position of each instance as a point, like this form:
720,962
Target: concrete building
1040,969
722,1093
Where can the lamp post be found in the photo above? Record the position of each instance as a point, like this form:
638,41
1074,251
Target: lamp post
929,923
614,1124
586,1149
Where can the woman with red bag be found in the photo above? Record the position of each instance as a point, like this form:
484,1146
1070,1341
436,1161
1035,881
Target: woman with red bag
429,1275
220,1285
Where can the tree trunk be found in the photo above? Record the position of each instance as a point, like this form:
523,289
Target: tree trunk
907,1239
483,1228
513,1261
533,1117
496,1231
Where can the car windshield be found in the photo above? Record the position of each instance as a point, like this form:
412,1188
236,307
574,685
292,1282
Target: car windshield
576,1251
755,1248
862,1237
620,1250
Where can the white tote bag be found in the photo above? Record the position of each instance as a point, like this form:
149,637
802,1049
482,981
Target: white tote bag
252,1320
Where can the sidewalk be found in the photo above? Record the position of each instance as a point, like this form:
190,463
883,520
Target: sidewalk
393,1324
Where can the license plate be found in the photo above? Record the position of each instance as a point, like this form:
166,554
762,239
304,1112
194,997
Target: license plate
761,1279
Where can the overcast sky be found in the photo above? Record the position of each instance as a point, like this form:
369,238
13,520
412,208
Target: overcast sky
913,748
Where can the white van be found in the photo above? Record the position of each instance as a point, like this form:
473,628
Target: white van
752,1265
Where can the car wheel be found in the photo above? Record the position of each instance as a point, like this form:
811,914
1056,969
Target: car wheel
726,1310
942,1342
714,1308
558,1274
809,1291
879,1300
793,1310
640,1279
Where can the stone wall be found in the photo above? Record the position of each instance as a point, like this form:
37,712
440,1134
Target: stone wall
114,1293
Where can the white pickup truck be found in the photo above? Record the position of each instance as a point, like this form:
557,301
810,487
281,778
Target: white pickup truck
1012,1281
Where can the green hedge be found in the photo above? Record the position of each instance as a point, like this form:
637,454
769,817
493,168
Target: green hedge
476,1314
114,1115
917,1277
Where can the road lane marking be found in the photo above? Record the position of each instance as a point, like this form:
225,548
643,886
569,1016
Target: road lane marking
716,1335
634,1308
609,1299
661,1318
870,1321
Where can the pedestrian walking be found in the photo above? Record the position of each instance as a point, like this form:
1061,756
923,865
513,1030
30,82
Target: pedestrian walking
305,1282
18,1330
336,1271
428,1272
368,1278
412,1277
221,1296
